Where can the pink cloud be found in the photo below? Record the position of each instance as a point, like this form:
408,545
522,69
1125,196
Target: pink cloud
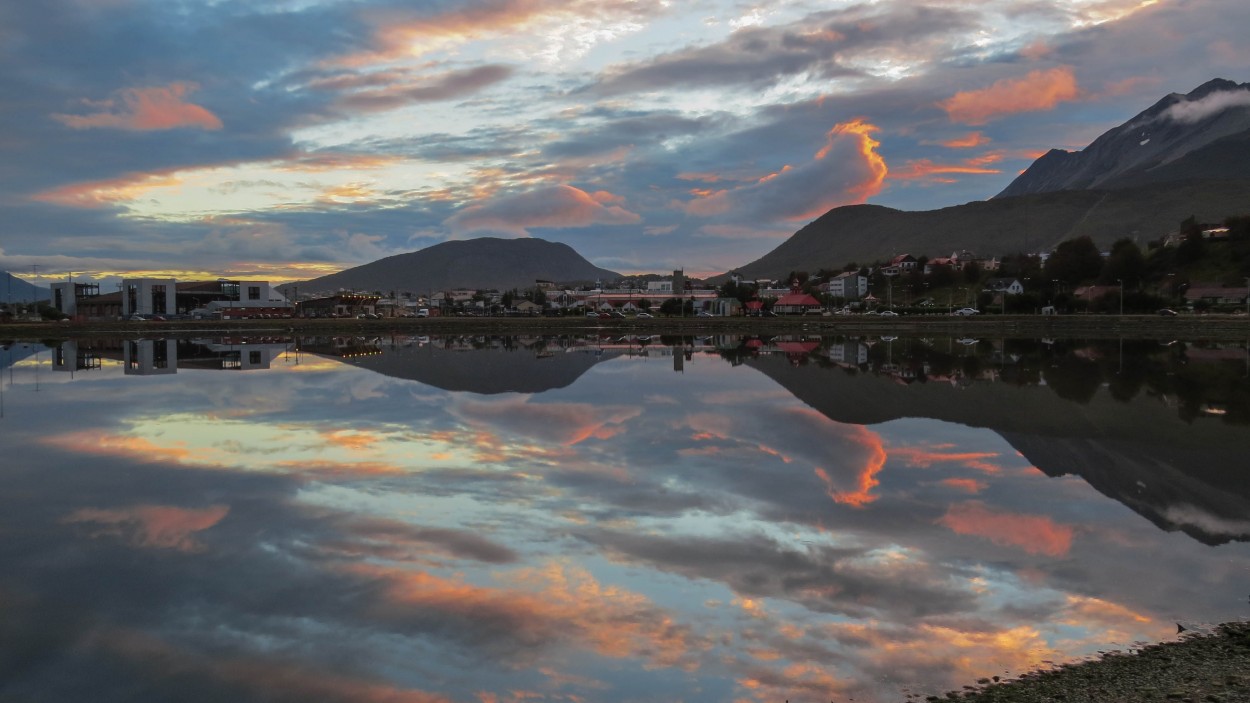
1039,90
558,206
146,110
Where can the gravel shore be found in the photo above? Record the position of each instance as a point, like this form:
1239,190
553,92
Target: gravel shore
1211,668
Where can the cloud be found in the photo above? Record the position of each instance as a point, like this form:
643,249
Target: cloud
553,29
145,110
846,170
1039,90
1034,534
968,141
557,207
925,169
1191,111
155,526
566,424
819,48
367,95
110,191
544,607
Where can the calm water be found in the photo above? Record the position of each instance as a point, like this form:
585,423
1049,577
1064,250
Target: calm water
491,520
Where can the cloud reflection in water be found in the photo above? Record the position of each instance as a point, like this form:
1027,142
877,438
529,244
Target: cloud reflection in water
630,534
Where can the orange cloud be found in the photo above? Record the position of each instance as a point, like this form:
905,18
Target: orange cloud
155,526
1039,90
399,35
967,485
915,456
845,171
968,141
1032,533
551,604
110,191
102,444
145,110
867,477
919,169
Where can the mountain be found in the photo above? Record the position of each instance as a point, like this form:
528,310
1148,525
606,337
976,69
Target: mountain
1205,133
16,290
485,263
1187,155
867,233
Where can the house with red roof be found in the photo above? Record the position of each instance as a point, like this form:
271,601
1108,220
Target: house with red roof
796,302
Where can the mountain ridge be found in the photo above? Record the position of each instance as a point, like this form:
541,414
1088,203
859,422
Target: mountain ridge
1140,149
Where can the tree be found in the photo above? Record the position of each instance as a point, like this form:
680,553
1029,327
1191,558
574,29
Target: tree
1125,263
1074,261
1192,245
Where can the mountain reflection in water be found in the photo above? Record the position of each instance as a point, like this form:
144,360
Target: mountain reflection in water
483,519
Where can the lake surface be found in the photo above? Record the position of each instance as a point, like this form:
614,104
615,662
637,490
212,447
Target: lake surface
495,520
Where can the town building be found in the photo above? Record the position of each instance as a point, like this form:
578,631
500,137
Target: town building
849,285
151,297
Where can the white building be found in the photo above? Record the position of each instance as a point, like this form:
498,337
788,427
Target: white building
849,285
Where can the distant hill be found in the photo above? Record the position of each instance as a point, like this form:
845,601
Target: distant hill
485,263
16,290
1187,155
1203,134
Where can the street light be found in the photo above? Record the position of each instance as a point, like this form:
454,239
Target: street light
1121,282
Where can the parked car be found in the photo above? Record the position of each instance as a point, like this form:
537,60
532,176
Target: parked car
1167,312
888,313
967,311
645,316
705,313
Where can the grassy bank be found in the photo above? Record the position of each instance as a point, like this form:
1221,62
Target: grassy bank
1192,327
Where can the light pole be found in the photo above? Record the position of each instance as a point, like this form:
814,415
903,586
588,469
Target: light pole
1121,282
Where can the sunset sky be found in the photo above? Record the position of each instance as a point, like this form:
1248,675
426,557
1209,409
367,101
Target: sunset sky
287,139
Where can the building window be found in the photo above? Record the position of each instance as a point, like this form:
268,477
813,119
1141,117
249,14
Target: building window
158,300
253,292
230,290
253,358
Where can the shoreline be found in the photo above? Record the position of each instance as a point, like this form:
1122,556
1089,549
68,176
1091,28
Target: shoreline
1206,668
1192,327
